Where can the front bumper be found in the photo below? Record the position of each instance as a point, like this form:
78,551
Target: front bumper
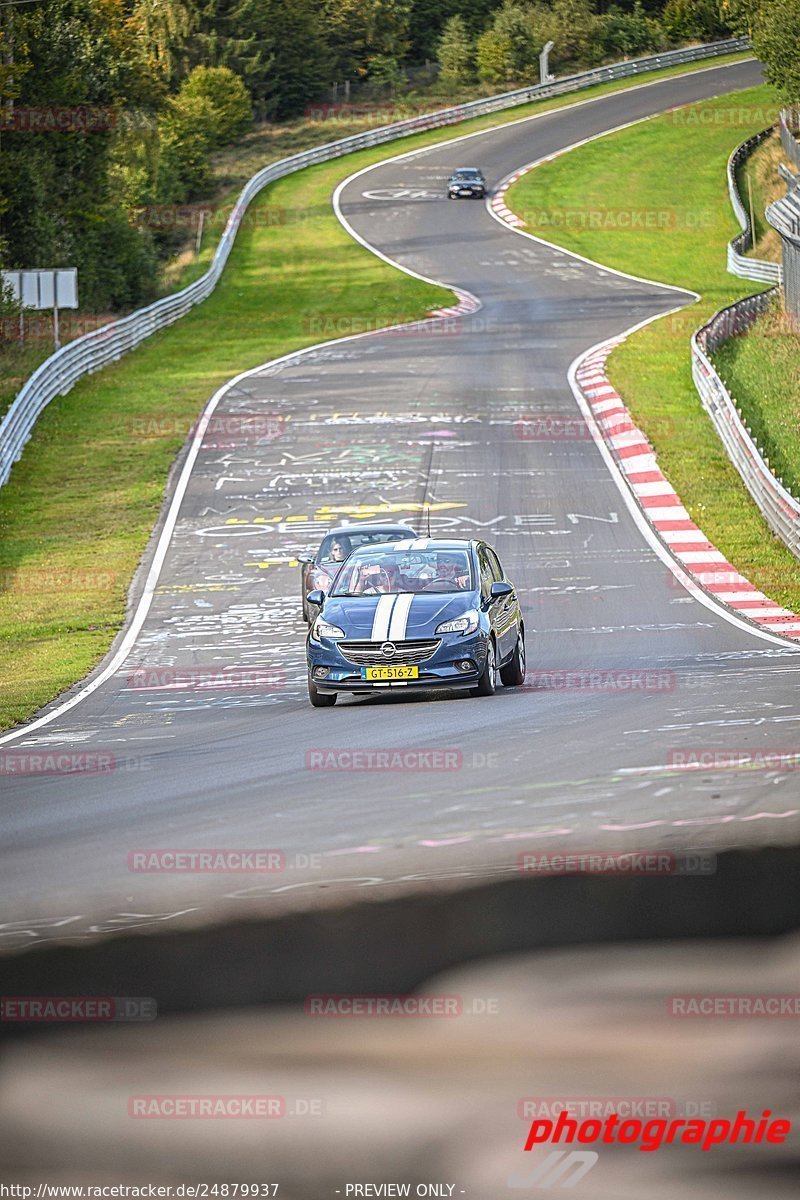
439,671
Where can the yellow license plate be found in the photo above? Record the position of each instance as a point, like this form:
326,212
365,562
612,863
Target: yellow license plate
375,673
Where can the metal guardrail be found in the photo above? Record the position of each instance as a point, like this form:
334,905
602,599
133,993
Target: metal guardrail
94,350
778,507
784,215
789,125
738,264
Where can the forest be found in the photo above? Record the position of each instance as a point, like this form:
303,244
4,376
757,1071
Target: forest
108,107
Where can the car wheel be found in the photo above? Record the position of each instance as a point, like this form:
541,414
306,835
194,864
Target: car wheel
306,617
513,674
487,684
319,699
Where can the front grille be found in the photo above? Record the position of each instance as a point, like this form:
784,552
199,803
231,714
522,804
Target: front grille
368,654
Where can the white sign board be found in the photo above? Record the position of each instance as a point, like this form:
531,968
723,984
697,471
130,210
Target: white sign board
44,288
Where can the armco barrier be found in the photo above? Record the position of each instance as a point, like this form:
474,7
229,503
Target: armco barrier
788,125
102,346
747,268
780,510
784,215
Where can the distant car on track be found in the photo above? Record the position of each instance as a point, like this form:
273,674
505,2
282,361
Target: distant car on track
467,182
421,613
319,572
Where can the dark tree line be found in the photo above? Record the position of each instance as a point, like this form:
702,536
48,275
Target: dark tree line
108,107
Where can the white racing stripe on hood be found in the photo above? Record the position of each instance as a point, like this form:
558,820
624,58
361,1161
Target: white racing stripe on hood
397,627
421,544
380,622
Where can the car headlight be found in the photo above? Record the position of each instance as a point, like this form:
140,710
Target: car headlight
323,629
466,624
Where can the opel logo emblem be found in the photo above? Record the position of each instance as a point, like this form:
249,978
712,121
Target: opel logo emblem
388,649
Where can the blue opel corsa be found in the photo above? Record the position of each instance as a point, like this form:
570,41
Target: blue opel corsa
421,613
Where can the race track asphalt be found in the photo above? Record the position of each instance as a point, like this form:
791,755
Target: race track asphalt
384,424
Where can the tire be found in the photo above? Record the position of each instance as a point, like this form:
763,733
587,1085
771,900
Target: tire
319,699
487,684
306,617
513,674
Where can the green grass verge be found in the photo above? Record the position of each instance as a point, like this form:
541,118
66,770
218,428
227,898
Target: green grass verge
760,182
81,503
678,193
762,368
762,372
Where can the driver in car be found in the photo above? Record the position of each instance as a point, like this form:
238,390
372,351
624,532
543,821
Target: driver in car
340,548
374,578
452,568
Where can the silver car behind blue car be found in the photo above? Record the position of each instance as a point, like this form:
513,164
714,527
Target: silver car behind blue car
416,614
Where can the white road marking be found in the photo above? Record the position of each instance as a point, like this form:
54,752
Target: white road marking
274,366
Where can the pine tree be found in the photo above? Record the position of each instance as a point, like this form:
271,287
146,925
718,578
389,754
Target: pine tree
455,53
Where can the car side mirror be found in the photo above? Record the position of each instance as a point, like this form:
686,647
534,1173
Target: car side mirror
501,588
305,559
316,597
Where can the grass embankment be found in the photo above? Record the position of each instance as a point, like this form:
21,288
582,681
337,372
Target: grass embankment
762,372
760,182
672,225
762,368
80,505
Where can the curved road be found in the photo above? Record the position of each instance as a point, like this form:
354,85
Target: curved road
381,425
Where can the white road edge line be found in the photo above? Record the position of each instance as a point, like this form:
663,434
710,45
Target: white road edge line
630,501
635,509
148,591
679,571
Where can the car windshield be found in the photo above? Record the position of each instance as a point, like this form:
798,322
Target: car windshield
337,546
389,571
467,173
